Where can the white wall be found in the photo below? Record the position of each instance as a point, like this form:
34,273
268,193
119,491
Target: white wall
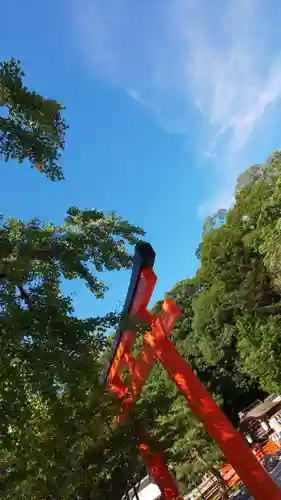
150,492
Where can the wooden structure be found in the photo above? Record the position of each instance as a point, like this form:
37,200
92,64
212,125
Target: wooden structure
158,346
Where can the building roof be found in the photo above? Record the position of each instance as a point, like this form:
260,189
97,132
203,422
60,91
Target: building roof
261,409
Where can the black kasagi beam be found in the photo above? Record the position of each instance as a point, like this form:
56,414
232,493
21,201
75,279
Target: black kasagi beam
144,258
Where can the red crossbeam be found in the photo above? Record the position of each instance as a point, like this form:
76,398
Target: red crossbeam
158,346
215,422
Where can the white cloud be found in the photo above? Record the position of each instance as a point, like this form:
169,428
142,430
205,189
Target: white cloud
134,94
172,55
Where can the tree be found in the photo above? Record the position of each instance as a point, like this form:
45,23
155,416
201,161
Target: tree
239,276
230,323
33,128
58,437
232,281
251,175
50,358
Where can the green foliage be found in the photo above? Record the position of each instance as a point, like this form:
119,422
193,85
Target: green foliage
214,221
71,450
51,360
229,330
58,437
260,350
32,127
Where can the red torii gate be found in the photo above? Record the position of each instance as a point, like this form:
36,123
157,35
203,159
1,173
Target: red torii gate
157,345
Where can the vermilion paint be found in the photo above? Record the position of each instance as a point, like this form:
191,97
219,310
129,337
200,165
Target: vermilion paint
157,345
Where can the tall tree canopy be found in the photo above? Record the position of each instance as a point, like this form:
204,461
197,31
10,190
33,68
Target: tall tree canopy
58,438
239,276
31,127
229,330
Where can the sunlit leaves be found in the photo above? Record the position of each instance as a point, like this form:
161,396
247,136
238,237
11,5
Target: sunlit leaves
31,127
51,360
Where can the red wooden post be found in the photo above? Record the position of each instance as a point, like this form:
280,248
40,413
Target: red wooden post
160,473
215,422
140,369
158,346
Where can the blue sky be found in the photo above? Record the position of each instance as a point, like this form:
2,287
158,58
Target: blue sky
168,100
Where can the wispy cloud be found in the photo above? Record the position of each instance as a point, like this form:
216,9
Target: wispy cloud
172,55
134,94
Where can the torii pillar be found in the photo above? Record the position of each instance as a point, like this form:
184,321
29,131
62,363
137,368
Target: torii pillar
157,345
